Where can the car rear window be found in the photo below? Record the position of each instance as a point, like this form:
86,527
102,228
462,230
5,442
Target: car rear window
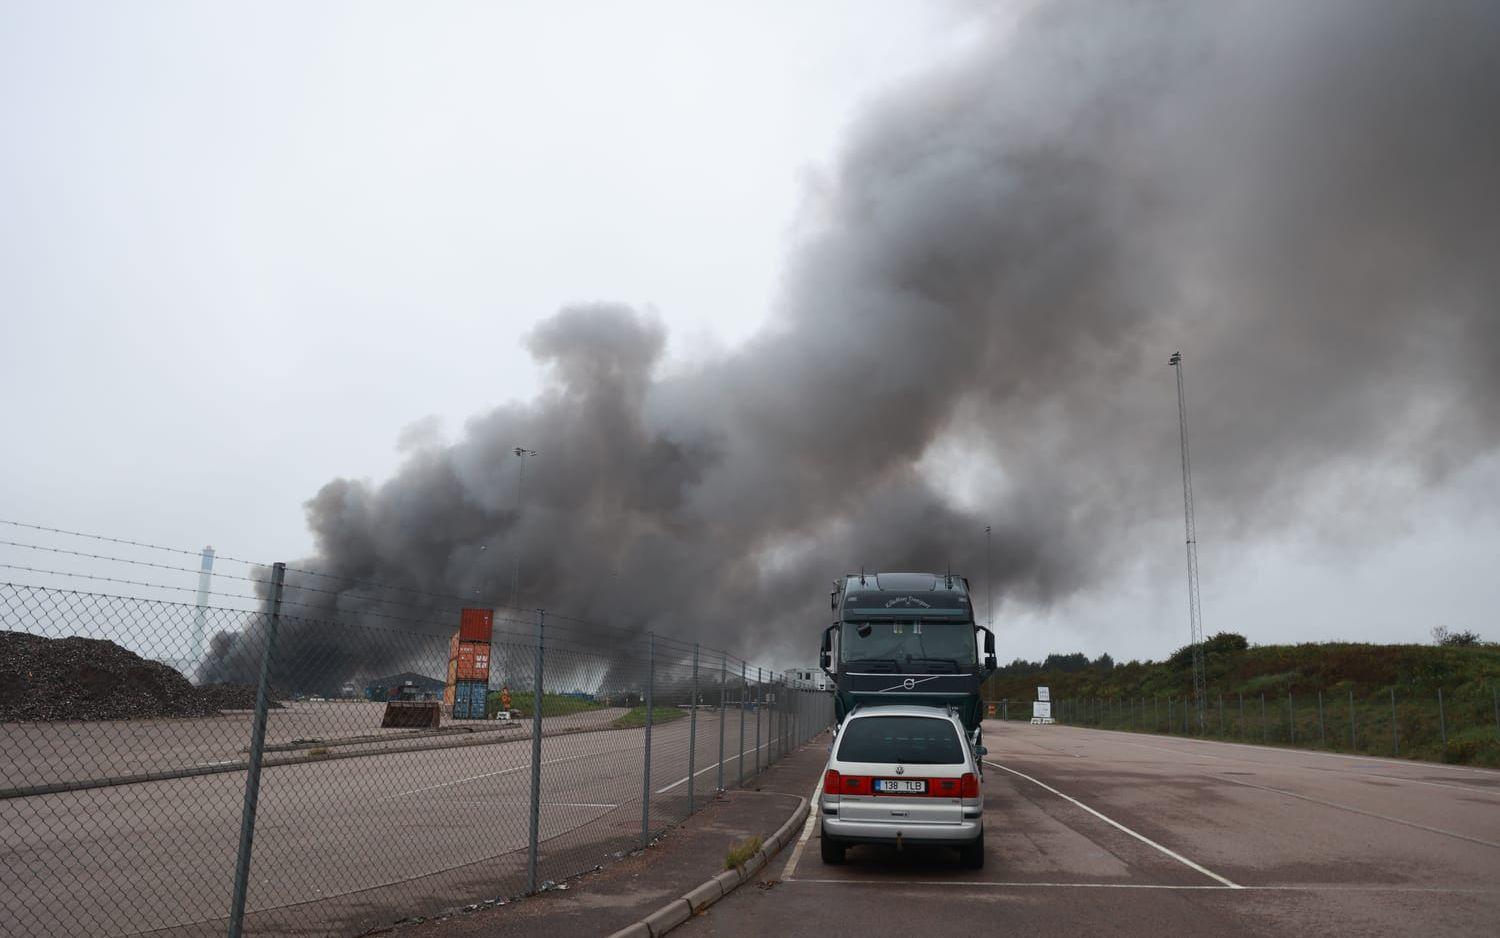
913,740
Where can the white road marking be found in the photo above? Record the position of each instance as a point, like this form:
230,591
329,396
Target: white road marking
814,811
991,885
518,768
1329,887
544,804
1116,824
1395,778
1353,810
683,780
1287,750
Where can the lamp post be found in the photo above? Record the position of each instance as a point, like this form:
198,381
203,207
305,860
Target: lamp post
515,580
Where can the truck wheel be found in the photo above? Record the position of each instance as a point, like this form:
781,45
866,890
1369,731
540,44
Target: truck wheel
971,855
832,850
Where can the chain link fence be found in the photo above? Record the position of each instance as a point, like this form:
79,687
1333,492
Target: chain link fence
135,801
1459,725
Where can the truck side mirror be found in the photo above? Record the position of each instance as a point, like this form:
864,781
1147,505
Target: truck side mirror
833,600
825,655
989,643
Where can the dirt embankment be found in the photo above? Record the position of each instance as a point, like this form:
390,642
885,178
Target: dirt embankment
48,679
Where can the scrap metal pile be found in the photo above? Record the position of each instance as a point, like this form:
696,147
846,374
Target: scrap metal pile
43,679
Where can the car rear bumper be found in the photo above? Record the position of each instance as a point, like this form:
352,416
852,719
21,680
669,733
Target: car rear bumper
885,832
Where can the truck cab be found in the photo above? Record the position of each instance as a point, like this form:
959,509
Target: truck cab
907,638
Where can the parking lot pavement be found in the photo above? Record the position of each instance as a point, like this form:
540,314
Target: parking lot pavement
1114,833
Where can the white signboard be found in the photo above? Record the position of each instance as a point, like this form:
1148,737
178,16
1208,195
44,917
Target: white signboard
1043,694
1041,710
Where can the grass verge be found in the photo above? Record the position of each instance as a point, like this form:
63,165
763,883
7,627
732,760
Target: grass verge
741,852
636,716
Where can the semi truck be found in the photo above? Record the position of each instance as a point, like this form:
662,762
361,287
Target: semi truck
907,638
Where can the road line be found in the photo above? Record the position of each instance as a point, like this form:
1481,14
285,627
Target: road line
1113,823
518,768
1353,810
813,813
989,884
993,885
543,804
683,780
1288,750
1493,793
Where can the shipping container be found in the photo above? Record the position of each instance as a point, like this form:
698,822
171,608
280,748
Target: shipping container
469,700
473,661
476,625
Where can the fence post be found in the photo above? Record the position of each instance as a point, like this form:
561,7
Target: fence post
759,706
744,689
723,710
1395,733
646,767
1353,746
1291,718
693,730
1265,734
537,675
1221,715
1495,702
1242,714
257,749
1442,718
1322,730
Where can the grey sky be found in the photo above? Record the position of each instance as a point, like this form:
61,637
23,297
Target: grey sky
241,252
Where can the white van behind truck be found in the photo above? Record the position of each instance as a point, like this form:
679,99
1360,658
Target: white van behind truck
903,775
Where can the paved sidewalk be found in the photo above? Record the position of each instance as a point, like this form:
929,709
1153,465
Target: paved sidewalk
630,889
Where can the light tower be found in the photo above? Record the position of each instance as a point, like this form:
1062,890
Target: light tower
1195,611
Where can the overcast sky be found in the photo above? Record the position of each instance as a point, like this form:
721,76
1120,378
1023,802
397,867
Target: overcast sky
243,248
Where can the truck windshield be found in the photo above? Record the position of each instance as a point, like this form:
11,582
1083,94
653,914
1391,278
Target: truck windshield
911,647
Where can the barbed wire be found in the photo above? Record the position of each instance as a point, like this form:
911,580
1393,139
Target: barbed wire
554,619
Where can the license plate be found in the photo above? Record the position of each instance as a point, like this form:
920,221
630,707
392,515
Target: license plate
901,786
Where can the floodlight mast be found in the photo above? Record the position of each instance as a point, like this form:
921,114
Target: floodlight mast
1195,610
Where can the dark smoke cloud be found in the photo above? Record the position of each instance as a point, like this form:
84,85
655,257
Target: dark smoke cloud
1302,196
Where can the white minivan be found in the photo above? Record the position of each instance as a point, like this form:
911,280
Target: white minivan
903,775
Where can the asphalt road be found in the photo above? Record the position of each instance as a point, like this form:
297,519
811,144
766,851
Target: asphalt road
342,845
1091,832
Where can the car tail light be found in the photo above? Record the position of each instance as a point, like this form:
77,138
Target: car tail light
857,785
944,788
831,783
970,785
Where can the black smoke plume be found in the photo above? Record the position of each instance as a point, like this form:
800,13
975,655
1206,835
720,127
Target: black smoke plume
1302,196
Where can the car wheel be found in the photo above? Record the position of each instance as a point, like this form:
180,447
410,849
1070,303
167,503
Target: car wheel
832,850
971,855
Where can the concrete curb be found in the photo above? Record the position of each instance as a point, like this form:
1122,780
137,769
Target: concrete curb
695,900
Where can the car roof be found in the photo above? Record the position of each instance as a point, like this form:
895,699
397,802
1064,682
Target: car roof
902,710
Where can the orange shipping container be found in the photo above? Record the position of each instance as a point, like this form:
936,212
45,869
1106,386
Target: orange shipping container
473,661
476,625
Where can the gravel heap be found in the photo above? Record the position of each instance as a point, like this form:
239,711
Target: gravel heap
92,679
234,696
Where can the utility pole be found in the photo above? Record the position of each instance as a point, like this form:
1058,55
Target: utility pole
515,580
1195,611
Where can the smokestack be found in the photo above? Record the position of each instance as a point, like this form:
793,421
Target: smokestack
200,615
